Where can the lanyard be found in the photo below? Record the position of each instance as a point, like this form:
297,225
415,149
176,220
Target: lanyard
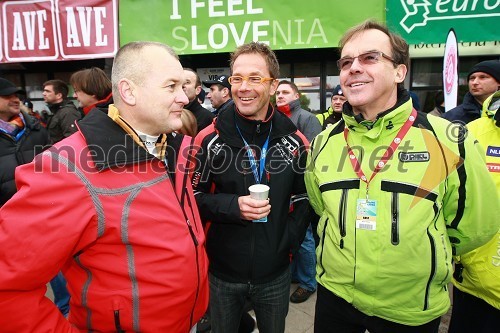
387,155
256,174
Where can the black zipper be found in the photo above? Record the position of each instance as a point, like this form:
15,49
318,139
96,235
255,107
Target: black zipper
342,218
433,271
395,219
322,240
118,326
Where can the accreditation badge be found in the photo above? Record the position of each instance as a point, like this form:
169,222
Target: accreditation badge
366,214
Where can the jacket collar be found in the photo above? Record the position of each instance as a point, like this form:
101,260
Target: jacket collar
112,142
57,106
470,105
103,103
227,120
289,108
391,118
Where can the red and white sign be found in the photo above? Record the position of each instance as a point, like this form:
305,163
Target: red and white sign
450,71
45,30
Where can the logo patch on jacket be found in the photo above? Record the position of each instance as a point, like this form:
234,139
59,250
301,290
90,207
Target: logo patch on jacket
421,156
493,151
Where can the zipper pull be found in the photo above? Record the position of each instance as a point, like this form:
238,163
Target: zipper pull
192,232
258,128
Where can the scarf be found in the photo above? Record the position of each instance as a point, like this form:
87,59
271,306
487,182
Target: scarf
13,126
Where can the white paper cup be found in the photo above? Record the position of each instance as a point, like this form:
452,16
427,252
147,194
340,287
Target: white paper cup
259,191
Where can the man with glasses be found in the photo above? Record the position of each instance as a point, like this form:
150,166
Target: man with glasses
397,196
248,240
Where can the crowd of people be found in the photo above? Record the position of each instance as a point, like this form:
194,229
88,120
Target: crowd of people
135,206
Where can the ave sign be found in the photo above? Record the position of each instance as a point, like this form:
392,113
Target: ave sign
58,29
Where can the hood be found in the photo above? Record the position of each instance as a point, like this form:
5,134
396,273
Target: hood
490,107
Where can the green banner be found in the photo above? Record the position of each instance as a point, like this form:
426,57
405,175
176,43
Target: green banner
428,21
210,26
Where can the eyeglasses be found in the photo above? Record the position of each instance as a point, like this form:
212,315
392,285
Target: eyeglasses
252,80
368,58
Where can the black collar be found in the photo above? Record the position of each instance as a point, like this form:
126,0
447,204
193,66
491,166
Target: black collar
109,144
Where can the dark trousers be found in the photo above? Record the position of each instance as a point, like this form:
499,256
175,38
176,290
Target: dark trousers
472,314
335,315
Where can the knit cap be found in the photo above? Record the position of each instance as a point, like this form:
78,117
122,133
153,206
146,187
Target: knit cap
491,67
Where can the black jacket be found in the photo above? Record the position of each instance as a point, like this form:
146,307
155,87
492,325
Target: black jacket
62,122
13,154
466,112
202,115
239,250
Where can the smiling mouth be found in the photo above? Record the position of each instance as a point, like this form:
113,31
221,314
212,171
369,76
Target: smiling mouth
247,99
357,84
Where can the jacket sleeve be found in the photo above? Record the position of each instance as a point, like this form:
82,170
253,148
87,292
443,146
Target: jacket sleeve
40,229
311,181
471,203
312,128
213,207
69,117
301,214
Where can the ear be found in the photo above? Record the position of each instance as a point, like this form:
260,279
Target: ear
198,90
401,71
274,87
127,91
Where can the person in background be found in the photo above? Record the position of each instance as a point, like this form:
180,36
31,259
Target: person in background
220,93
476,281
27,107
62,122
338,100
248,241
192,87
304,262
484,80
92,89
438,110
397,196
21,138
112,207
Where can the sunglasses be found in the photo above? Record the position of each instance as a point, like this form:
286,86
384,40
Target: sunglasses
368,58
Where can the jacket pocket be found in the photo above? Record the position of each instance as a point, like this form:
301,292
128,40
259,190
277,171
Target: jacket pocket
321,269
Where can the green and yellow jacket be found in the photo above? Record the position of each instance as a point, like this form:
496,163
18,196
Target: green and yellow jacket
434,198
478,271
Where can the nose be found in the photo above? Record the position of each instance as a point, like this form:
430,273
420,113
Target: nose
244,85
182,97
356,66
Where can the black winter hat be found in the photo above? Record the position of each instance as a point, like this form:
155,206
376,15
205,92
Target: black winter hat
491,67
338,91
8,88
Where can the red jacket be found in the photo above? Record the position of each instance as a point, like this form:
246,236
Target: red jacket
105,211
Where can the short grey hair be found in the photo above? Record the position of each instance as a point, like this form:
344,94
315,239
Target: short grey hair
129,63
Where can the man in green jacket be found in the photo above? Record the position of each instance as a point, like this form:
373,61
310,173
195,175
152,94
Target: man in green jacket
398,193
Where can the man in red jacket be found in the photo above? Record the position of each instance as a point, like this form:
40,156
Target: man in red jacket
112,208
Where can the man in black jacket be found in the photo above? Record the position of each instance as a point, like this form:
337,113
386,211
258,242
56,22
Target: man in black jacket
21,138
192,87
483,80
251,143
61,123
